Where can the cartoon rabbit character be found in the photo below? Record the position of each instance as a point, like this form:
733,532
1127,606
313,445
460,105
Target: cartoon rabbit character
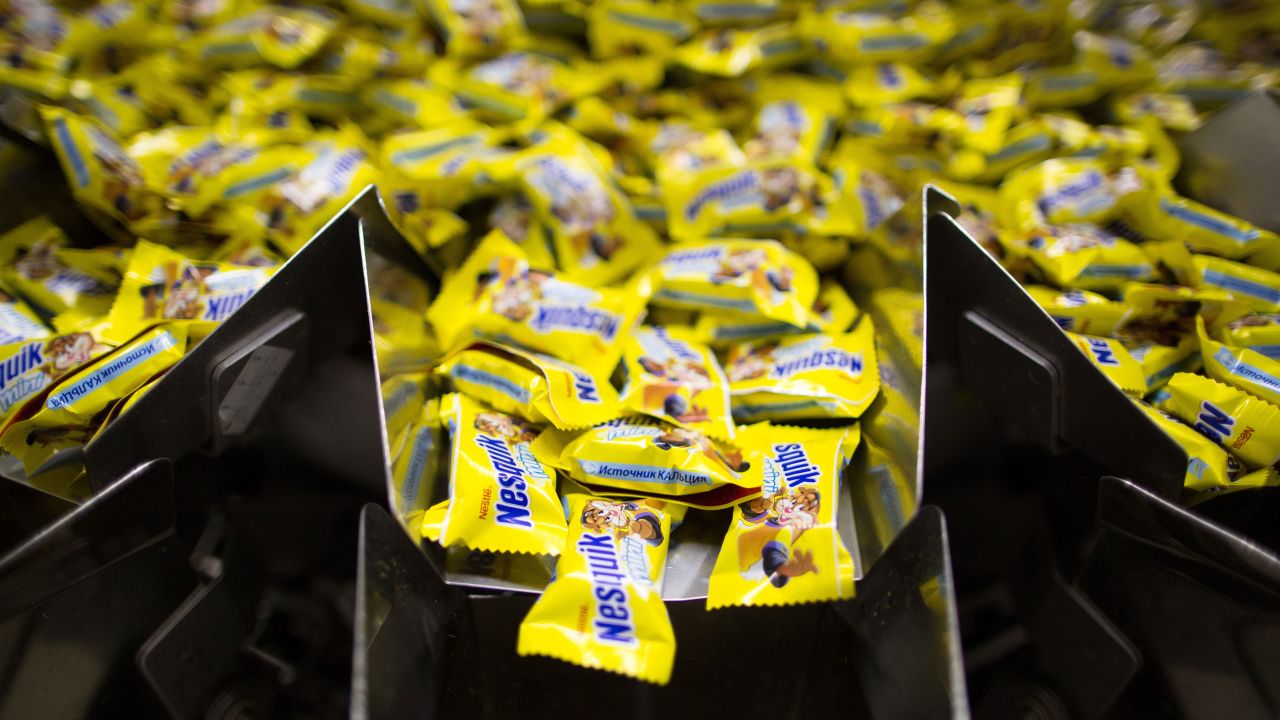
506,427
622,519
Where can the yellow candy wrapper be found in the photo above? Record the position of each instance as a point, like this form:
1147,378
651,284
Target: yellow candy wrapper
1208,466
1246,426
387,12
416,466
671,376
766,197
677,146
39,265
161,285
449,165
63,414
401,103
1113,359
989,108
1080,311
402,340
1243,368
514,86
1084,257
647,455
194,168
1063,191
736,12
883,83
624,27
832,311
604,609
857,36
501,497
402,399
796,118
1258,332
18,321
426,228
1174,112
1164,215
784,548
732,52
871,199
1253,285
804,377
101,174
1160,362
496,295
298,206
747,278
30,366
1165,314
597,237
281,36
477,28
533,386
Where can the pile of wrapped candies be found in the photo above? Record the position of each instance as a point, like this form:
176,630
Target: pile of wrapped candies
646,214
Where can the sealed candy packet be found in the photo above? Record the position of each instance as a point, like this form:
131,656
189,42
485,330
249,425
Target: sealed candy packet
865,36
161,285
832,311
402,339
449,164
784,547
796,118
1258,332
1243,368
477,28
39,265
1084,257
496,295
604,609
1253,285
415,466
732,52
670,376
536,387
764,197
626,27
292,210
1208,466
1163,214
829,375
63,414
747,278
1246,426
502,498
1080,311
677,146
517,85
597,237
31,365
1165,314
1160,362
1114,360
1068,190
642,454
402,399
101,173
18,321
281,36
